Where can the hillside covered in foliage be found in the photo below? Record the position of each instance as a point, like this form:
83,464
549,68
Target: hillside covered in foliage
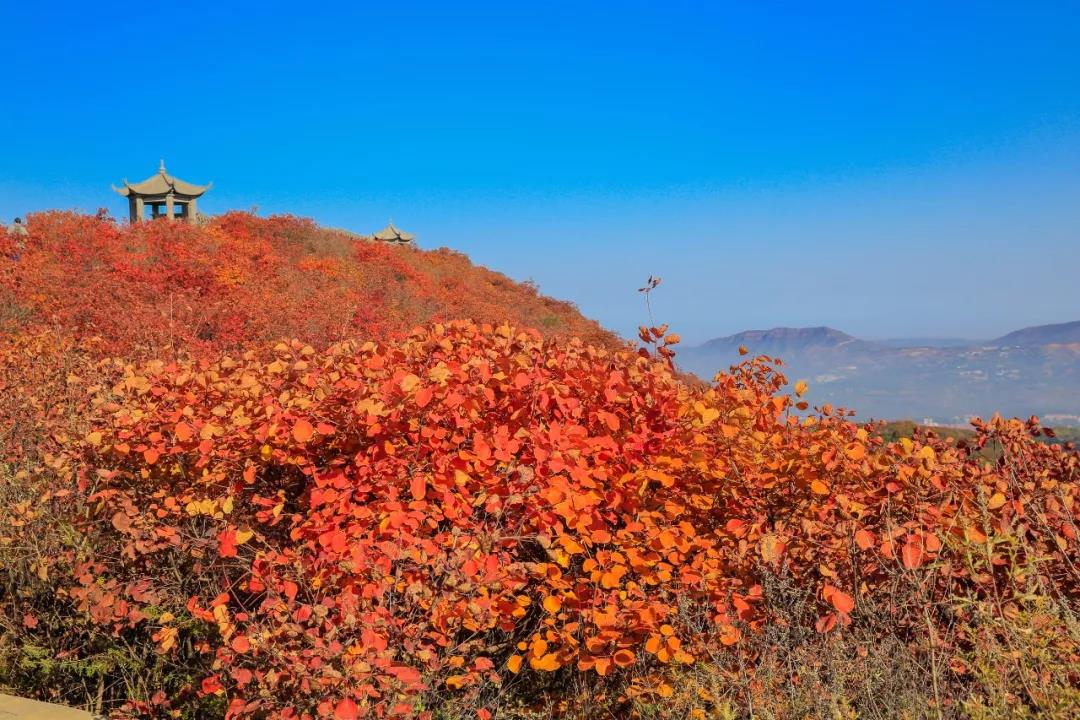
251,510
157,288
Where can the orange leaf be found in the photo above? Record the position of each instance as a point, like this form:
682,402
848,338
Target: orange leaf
547,663
514,664
772,548
346,710
855,451
552,604
864,539
303,431
184,432
610,419
841,601
825,623
729,634
418,488
911,554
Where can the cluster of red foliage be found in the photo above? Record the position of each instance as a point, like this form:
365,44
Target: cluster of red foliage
363,530
157,288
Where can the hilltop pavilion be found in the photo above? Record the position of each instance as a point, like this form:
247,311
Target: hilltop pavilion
391,234
168,196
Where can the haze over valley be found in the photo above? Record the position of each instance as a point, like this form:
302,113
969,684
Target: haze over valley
1033,371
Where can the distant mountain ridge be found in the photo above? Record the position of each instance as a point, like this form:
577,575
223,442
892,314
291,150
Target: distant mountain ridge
1057,334
781,338
1035,370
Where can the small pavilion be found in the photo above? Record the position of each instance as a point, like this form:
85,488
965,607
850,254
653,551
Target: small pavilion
166,195
392,234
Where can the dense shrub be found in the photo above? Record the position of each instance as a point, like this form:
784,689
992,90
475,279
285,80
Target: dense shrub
157,289
473,519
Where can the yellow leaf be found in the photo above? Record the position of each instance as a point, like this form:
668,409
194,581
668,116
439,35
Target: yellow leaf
800,388
242,536
708,414
439,373
94,438
409,382
168,638
996,501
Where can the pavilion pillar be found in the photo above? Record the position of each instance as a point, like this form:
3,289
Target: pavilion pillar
169,207
138,210
191,210
131,209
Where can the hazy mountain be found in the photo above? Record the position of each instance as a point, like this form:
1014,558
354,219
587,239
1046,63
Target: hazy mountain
779,341
1034,371
1059,334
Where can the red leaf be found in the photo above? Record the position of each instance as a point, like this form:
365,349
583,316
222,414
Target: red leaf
227,543
346,710
290,589
418,487
211,685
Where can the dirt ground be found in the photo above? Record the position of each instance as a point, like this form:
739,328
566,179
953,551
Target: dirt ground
14,708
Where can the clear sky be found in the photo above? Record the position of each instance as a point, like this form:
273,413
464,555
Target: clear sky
890,169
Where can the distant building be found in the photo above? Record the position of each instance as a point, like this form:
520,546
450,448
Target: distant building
166,195
392,234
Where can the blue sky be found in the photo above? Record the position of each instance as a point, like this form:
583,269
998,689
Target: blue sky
890,169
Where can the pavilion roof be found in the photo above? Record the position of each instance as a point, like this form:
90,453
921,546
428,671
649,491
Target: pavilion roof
161,183
393,234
